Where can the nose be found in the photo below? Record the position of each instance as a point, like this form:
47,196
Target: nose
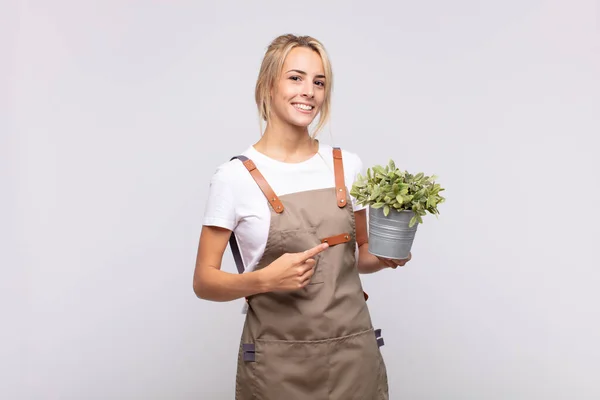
308,91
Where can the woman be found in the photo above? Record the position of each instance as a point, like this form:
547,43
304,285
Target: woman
300,242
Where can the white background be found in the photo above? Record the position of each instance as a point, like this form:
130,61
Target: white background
118,113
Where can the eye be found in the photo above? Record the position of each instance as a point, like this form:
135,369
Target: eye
295,78
320,83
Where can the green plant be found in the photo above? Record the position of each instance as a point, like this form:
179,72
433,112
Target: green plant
392,189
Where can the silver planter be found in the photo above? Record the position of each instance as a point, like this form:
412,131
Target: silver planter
390,236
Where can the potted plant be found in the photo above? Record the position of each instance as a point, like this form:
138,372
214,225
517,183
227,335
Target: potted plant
397,202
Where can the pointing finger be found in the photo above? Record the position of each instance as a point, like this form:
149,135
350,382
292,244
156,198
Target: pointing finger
313,252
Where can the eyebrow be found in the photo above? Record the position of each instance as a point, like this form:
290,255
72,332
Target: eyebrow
304,73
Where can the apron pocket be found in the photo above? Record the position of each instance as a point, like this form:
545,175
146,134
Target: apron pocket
298,240
356,368
291,370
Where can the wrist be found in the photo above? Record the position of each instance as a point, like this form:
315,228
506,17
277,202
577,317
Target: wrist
367,262
262,281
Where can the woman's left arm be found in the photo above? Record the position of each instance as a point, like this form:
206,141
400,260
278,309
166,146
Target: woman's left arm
367,262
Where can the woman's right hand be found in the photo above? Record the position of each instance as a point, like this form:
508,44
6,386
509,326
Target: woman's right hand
291,271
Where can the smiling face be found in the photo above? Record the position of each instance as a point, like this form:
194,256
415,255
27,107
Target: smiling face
299,93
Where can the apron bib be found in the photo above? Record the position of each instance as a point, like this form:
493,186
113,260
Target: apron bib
316,343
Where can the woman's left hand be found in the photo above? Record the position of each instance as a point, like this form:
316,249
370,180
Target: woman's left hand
393,263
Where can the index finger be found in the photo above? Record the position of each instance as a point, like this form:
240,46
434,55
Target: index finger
305,255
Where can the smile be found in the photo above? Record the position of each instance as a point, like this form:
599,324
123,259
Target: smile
303,107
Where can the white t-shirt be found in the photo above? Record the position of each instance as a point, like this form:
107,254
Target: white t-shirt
235,201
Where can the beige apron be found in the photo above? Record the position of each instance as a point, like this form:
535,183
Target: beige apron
316,343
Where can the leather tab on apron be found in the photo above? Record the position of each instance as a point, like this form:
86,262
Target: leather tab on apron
262,184
337,239
249,352
340,185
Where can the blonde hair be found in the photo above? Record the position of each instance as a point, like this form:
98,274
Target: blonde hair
270,72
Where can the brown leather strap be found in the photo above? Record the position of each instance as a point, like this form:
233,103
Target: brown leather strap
340,185
271,197
337,239
263,185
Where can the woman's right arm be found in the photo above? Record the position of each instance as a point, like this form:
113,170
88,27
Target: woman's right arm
291,271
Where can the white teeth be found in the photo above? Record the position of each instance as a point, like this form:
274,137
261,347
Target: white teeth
303,107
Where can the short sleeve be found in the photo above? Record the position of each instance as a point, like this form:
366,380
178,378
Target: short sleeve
358,168
220,206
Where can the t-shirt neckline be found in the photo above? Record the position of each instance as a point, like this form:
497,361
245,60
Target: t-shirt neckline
255,154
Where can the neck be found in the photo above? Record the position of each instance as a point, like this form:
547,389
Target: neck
287,143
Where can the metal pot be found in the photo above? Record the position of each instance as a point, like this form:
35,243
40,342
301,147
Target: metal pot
390,236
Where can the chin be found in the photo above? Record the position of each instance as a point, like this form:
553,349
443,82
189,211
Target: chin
301,122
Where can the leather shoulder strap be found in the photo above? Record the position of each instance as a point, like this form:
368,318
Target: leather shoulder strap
272,198
340,184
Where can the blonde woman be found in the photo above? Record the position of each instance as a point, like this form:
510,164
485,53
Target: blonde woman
299,241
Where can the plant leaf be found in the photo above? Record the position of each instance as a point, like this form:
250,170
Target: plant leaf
390,188
413,221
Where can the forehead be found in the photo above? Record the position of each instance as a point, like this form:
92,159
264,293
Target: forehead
304,59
